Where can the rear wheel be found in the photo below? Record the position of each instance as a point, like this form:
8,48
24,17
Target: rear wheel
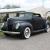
47,30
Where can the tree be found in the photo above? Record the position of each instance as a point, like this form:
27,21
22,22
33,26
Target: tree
14,6
10,6
48,18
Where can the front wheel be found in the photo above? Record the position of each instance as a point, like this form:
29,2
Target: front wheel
26,33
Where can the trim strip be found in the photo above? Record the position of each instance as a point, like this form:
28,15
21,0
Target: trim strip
9,32
39,30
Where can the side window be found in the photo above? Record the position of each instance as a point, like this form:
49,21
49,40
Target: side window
37,16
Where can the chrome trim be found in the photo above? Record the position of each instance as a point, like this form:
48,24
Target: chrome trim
9,32
39,30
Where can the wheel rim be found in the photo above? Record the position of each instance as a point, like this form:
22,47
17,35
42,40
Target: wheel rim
27,32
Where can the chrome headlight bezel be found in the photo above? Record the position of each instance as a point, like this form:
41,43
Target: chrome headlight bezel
2,24
17,25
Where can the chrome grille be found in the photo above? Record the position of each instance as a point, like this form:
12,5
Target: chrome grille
10,24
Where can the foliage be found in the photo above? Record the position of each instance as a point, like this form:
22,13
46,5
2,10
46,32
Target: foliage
10,6
48,18
1,19
1,34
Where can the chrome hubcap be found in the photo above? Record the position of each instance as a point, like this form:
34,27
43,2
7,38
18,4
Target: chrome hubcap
27,32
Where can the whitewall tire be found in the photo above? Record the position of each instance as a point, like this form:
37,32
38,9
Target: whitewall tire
27,33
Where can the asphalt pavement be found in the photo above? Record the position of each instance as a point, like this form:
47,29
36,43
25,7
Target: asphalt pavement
38,41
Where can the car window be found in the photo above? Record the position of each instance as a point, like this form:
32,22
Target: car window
37,15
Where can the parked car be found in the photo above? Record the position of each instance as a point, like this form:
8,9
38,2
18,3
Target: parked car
24,24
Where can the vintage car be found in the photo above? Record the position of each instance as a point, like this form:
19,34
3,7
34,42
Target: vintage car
24,24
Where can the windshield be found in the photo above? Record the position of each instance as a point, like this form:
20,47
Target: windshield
19,16
23,16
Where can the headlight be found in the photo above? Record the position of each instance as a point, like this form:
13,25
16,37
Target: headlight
17,25
7,19
2,25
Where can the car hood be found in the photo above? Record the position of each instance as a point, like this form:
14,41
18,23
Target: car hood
11,21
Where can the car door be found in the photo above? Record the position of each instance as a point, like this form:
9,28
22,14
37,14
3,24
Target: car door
41,23
37,23
34,22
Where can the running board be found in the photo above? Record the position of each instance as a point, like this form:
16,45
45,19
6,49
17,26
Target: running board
39,30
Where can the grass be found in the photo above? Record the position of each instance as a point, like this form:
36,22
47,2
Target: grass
1,34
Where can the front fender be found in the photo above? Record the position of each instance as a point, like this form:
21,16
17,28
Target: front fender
23,25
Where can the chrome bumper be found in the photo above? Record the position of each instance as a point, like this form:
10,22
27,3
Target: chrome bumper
9,32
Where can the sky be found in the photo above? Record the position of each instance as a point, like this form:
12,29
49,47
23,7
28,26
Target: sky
29,4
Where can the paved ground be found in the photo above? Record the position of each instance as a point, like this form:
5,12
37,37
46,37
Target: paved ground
40,41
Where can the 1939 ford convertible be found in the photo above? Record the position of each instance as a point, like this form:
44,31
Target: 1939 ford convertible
24,24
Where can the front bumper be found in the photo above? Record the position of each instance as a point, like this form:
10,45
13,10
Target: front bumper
9,32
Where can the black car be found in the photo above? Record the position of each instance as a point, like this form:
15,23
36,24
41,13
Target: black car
24,24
